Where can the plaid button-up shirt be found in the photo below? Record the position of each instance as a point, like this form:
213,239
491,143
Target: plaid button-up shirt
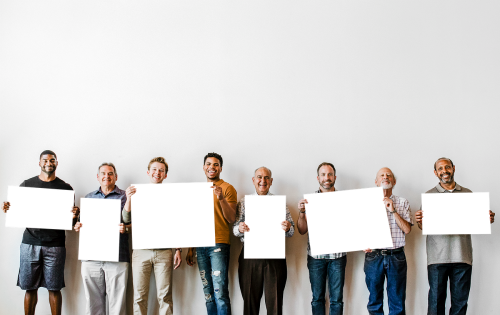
402,207
326,256
240,214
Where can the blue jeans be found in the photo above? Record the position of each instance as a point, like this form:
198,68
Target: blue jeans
319,269
213,263
460,278
377,268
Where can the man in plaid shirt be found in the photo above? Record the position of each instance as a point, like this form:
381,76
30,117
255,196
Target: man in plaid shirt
323,266
389,262
258,276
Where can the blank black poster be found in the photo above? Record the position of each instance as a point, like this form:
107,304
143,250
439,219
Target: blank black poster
266,240
173,215
456,213
347,221
99,237
40,208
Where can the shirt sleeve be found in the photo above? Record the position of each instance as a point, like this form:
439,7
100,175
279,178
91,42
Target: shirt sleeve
289,219
407,212
240,217
127,216
231,195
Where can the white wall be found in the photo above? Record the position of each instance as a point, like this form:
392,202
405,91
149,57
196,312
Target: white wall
285,84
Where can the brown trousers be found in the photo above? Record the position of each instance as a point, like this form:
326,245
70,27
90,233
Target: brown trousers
262,275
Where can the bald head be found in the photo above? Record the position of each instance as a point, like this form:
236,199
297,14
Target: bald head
264,168
262,180
385,178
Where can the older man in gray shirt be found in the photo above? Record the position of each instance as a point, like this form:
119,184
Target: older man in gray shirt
448,256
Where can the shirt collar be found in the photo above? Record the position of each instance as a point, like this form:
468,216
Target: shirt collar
319,191
255,194
99,191
442,190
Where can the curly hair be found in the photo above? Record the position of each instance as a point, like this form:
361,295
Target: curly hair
213,155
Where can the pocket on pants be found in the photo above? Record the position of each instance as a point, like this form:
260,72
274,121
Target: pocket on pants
401,257
370,256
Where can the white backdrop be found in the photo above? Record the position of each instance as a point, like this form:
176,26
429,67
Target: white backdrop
285,84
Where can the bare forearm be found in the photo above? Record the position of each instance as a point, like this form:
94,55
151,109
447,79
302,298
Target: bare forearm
127,206
228,210
302,223
404,225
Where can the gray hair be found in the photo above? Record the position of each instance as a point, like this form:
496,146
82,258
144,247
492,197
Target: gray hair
270,173
107,164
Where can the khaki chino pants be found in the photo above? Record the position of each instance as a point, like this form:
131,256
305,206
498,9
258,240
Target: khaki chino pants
101,279
143,262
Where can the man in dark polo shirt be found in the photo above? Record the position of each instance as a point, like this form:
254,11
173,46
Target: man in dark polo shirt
107,278
43,251
448,256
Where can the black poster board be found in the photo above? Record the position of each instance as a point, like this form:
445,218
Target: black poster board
42,208
99,238
266,240
173,215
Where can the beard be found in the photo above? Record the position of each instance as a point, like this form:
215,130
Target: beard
323,184
47,171
386,185
447,181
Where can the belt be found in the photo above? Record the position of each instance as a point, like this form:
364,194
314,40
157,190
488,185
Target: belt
385,252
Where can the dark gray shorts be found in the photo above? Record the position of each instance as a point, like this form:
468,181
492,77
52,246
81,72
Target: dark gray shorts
41,266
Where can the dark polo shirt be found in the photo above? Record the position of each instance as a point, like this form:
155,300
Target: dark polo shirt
116,193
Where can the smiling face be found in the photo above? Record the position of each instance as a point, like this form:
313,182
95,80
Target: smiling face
157,172
262,181
445,171
107,176
212,169
326,177
385,178
48,164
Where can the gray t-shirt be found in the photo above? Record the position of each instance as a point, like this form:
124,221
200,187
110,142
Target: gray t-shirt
445,249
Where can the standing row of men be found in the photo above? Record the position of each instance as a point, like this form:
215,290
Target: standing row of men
43,251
